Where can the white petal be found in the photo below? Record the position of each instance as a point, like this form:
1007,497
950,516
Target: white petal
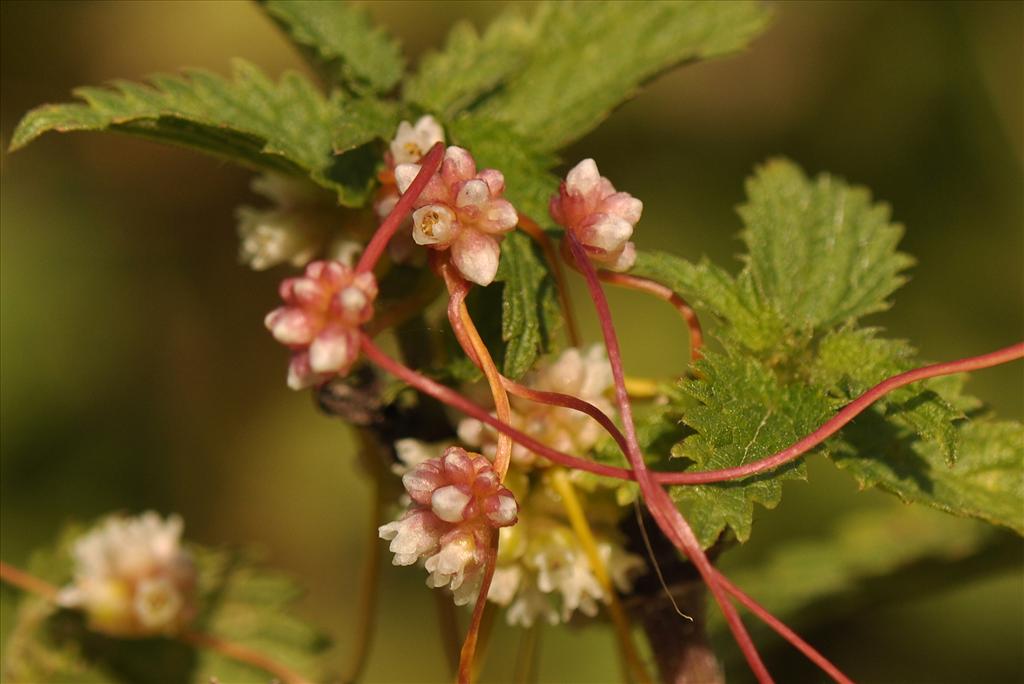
476,256
608,232
473,193
405,174
434,224
583,177
289,326
448,503
330,352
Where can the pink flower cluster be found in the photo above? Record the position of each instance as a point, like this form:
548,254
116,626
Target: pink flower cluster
599,217
457,503
462,210
320,319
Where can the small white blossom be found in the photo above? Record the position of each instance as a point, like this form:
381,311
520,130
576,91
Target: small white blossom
601,218
132,578
585,374
411,142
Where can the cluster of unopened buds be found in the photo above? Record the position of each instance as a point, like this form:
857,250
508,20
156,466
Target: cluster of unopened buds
458,502
132,578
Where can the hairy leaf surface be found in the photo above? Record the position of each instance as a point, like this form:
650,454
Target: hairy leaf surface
287,126
741,412
350,48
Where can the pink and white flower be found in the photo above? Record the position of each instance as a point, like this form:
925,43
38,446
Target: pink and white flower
462,210
320,320
600,218
457,503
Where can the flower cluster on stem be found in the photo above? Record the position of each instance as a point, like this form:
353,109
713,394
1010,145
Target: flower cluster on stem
320,320
601,218
457,504
463,211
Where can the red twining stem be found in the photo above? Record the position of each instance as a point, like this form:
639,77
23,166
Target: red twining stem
846,414
375,248
785,632
662,509
658,290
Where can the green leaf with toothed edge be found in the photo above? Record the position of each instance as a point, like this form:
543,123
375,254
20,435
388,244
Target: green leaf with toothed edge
287,126
240,602
740,411
576,72
343,41
987,481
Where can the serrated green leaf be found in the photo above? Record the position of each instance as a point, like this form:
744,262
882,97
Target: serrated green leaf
851,361
741,412
240,603
343,39
470,66
286,126
530,314
588,58
898,550
709,288
987,481
820,252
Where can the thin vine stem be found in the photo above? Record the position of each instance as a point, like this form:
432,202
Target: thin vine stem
655,288
664,511
467,656
379,242
782,630
578,520
537,234
243,654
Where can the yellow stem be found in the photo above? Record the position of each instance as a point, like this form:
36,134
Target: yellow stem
574,511
642,388
504,411
526,657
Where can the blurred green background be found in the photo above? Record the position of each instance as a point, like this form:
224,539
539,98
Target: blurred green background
136,372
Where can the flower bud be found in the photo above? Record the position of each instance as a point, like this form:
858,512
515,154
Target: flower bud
599,217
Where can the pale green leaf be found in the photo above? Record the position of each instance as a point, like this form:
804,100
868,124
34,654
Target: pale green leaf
344,41
987,482
587,58
286,126
471,65
741,412
820,252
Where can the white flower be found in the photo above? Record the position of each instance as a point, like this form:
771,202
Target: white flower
412,142
600,218
584,374
269,237
132,578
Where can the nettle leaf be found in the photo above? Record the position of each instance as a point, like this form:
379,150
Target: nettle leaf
578,71
349,47
241,603
851,361
985,483
530,312
471,65
288,126
741,412
820,252
899,550
732,301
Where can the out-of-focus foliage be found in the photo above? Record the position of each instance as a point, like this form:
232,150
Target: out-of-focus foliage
241,603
